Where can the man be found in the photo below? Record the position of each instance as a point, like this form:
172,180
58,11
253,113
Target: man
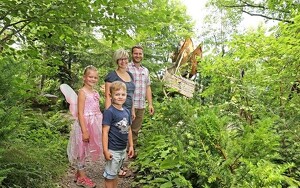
142,91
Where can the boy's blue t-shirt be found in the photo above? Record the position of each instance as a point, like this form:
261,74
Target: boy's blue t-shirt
119,122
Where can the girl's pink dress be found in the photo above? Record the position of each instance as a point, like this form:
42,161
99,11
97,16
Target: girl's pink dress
77,149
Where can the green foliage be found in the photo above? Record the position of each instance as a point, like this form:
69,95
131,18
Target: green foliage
270,9
244,136
271,69
37,156
188,145
27,158
30,167
46,43
263,174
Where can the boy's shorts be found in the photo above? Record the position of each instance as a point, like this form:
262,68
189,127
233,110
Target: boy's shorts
113,166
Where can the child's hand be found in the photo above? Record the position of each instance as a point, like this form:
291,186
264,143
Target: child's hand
130,152
107,155
85,136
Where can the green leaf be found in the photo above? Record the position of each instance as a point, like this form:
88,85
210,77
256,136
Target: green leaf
160,180
167,164
166,185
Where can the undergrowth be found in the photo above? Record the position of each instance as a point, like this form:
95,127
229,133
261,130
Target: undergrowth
34,156
188,145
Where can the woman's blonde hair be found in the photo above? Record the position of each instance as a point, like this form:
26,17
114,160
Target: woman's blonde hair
120,53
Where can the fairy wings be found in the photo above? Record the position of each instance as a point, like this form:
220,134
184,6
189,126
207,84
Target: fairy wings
71,98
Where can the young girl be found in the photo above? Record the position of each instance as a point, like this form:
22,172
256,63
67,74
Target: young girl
86,133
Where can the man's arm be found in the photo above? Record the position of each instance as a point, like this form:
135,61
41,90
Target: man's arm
149,99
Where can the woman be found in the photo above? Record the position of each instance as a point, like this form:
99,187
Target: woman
121,74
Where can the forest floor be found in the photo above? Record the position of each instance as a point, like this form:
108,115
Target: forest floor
94,171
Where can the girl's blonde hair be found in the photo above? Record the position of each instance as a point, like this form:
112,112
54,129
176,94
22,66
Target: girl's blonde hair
88,68
120,53
116,86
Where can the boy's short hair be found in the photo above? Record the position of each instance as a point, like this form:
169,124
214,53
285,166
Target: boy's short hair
116,86
120,53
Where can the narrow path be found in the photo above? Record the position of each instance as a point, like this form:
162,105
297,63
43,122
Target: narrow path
94,171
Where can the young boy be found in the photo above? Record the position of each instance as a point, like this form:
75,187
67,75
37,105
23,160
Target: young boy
116,133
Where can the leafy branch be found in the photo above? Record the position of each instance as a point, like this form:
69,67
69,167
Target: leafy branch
268,17
262,8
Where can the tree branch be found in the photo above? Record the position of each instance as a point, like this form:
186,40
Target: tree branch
265,8
13,33
262,8
268,17
218,147
13,24
253,6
